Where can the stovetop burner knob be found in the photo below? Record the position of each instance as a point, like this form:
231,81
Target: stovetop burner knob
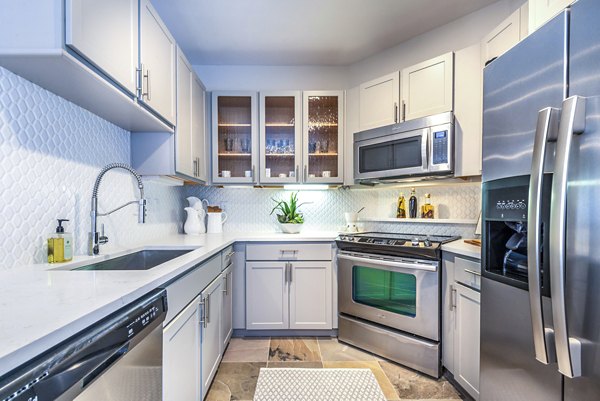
427,242
415,242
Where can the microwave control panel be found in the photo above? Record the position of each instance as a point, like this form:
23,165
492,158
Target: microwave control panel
440,147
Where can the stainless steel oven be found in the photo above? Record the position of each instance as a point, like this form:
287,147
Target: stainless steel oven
400,293
419,147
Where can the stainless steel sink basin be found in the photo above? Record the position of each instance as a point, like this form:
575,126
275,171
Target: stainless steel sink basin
141,260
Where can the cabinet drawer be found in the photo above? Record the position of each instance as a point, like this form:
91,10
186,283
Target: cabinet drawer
183,291
288,251
467,272
226,256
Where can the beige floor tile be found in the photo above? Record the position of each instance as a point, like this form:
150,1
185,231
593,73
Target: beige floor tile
411,385
304,365
294,349
247,350
333,350
384,383
235,381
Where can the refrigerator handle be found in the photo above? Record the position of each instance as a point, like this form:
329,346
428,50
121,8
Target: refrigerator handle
543,338
572,122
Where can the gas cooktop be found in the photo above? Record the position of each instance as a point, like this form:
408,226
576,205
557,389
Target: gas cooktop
409,245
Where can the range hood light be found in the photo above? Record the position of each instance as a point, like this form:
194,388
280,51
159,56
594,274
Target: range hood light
300,187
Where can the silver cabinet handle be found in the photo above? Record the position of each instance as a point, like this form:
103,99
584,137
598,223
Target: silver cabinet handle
149,85
285,273
395,112
572,122
229,255
207,308
476,273
284,251
291,272
297,176
202,304
195,168
305,172
226,284
452,297
253,167
547,126
403,111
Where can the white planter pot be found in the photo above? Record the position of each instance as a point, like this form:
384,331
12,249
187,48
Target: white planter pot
290,228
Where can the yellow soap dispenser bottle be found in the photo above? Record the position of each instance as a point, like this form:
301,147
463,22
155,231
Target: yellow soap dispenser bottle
60,245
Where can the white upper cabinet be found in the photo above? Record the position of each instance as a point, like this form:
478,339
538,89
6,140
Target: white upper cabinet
280,136
105,33
157,62
427,87
323,137
541,11
504,36
200,155
234,137
379,102
183,130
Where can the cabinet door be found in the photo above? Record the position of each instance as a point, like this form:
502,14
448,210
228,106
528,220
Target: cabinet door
199,150
211,340
468,95
427,87
105,33
267,296
227,313
448,311
501,39
310,295
158,63
234,137
181,355
541,11
280,137
323,139
183,130
466,339
379,100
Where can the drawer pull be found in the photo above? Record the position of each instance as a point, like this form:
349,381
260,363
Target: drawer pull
473,272
284,251
229,255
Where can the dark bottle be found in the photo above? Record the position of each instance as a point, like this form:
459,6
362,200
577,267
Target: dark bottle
412,204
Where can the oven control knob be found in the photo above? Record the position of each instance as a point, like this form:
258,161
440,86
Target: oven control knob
427,242
415,242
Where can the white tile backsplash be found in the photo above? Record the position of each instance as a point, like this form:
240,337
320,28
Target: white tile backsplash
50,154
248,208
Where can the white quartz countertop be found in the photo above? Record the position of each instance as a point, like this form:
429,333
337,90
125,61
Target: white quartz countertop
460,247
40,306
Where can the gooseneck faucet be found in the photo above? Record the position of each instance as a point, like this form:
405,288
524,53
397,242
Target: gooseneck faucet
95,239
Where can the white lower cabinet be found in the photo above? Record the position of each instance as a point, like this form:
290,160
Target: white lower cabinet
227,309
211,328
266,296
290,288
181,355
461,320
310,295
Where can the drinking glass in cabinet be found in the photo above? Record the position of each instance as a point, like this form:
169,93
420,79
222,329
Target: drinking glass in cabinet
235,135
323,136
280,135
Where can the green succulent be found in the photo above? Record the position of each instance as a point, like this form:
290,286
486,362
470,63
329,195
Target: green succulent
288,212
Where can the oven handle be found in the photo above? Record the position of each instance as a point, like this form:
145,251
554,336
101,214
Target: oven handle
390,263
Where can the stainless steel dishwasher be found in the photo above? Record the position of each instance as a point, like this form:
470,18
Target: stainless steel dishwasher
117,359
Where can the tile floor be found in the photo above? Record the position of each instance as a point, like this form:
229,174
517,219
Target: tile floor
238,372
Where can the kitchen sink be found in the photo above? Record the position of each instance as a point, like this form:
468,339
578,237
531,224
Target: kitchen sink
141,260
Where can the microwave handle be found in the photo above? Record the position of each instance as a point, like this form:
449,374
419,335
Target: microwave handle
425,165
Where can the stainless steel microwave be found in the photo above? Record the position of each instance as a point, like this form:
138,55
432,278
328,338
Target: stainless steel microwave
420,147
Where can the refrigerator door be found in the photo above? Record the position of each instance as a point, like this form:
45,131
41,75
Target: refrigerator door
509,370
582,259
529,77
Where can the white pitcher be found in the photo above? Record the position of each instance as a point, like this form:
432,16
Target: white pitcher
215,221
194,224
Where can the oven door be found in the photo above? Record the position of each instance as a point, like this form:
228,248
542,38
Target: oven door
398,293
392,155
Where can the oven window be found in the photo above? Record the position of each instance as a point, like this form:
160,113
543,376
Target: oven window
399,154
391,291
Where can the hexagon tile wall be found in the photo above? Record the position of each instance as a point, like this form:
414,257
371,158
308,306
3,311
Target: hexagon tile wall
50,153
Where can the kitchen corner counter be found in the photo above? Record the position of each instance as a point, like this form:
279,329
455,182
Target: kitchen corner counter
42,305
459,247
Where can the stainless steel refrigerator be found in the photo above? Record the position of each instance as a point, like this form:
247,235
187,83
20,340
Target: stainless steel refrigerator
540,295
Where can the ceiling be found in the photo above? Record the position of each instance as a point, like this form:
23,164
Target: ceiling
301,32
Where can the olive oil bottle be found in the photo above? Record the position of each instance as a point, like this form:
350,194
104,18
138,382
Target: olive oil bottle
412,204
401,210
427,208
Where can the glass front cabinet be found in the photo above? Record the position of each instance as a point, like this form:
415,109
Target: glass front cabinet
280,137
323,133
234,138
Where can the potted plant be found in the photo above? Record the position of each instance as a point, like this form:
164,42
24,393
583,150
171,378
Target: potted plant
288,215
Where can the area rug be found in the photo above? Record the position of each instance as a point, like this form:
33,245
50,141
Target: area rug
292,384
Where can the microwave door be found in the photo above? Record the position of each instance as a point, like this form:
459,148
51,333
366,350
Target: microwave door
392,156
